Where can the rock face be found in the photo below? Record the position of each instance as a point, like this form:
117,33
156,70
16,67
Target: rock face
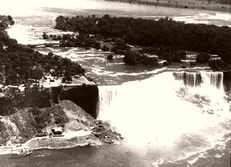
16,128
86,96
77,117
227,81
24,114
78,127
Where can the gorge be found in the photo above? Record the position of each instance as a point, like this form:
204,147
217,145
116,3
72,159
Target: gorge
167,116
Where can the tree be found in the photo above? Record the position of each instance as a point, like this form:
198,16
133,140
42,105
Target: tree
202,58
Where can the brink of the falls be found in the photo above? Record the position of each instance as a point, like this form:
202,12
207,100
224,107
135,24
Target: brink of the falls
195,79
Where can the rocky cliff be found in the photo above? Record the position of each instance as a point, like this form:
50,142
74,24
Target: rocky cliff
86,96
79,128
227,81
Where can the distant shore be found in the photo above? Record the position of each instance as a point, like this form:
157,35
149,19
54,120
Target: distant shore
181,4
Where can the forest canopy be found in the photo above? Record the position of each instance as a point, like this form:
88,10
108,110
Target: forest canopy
154,33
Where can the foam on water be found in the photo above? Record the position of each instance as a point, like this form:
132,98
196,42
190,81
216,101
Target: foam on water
150,112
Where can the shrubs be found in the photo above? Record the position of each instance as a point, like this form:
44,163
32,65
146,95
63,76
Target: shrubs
82,40
41,118
32,97
58,114
218,65
44,117
4,136
202,58
136,58
5,21
171,54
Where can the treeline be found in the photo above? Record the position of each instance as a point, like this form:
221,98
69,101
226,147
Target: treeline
23,65
20,64
222,1
33,97
5,21
164,33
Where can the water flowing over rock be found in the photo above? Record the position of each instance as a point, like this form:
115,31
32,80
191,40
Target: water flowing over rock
195,79
189,78
152,111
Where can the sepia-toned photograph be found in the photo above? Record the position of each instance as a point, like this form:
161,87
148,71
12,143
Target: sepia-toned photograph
115,83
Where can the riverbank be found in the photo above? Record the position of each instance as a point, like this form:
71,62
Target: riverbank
99,135
68,140
191,4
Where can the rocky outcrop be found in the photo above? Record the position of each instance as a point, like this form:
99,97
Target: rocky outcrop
227,81
25,123
77,116
86,96
79,128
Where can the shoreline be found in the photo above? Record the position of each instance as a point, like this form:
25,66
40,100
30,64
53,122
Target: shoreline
176,5
38,143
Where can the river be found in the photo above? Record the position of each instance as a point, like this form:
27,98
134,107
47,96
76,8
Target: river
166,119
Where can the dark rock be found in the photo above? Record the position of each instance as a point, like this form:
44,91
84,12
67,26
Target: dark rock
227,80
85,96
110,57
45,36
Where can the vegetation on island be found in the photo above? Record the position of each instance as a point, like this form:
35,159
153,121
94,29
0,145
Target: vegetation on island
164,37
20,64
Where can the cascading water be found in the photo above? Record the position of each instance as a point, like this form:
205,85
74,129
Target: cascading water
215,79
152,112
189,78
195,79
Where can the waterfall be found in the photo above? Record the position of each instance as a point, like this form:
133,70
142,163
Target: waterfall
106,94
189,78
195,79
150,110
215,79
